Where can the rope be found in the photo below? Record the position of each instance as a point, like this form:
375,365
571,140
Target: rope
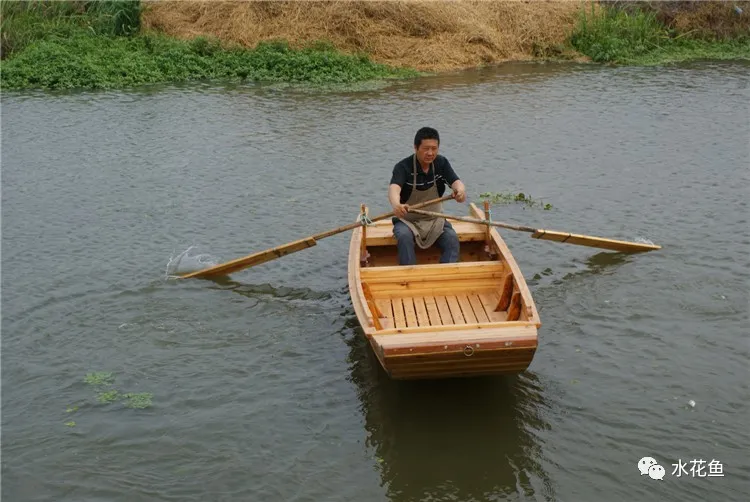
364,220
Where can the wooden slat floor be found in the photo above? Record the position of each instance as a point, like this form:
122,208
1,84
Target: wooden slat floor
460,308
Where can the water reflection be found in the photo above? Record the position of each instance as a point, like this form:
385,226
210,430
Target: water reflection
598,264
459,439
267,289
604,261
525,74
516,76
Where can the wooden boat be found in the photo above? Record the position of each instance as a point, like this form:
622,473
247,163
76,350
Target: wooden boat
433,320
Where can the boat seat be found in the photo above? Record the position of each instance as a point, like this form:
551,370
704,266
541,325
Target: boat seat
381,232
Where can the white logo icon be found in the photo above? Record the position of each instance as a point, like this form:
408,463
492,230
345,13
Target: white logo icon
656,472
645,464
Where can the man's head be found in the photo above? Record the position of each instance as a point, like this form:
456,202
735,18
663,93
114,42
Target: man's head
426,144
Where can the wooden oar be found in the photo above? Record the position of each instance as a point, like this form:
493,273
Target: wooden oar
552,235
251,260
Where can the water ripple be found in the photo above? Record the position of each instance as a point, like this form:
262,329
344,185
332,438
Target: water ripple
263,385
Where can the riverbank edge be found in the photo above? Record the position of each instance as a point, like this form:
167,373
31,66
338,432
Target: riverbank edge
87,60
36,77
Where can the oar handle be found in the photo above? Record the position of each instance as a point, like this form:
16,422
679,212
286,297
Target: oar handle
329,233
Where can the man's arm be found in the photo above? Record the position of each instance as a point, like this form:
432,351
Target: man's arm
394,197
398,178
460,190
456,184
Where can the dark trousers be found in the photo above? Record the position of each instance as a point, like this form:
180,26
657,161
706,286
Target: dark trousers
447,242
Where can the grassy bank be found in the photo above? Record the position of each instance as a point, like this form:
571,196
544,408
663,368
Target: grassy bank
642,34
99,62
58,45
106,44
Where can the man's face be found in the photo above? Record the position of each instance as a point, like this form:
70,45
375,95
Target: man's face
427,151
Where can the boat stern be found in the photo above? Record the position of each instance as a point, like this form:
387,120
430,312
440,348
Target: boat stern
465,353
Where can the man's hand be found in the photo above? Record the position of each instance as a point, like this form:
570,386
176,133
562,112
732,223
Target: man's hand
459,191
400,210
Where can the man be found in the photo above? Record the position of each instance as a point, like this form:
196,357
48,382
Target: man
419,178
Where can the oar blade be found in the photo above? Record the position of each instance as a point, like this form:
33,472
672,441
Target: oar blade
594,242
253,259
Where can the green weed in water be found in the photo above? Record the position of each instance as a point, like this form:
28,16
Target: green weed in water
70,424
108,397
512,197
99,378
129,399
138,401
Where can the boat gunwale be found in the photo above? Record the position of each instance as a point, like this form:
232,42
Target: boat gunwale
523,288
355,284
478,326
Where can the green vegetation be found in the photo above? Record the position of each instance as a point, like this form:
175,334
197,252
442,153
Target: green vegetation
139,401
109,396
107,62
691,50
61,45
100,380
26,22
512,197
634,36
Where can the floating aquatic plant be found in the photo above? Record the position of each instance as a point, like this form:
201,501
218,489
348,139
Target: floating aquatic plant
108,397
139,401
512,197
99,378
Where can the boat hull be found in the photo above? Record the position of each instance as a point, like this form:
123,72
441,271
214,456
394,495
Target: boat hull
461,358
432,320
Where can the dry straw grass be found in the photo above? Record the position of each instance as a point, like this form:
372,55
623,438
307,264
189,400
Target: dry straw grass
427,35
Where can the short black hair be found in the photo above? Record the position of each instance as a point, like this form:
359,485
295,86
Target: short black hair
426,133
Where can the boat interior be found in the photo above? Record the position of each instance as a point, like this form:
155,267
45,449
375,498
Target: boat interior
478,291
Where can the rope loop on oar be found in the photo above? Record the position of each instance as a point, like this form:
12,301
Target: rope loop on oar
364,220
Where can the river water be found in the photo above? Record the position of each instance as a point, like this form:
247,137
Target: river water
263,387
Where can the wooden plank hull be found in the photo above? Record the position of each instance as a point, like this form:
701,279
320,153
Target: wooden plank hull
460,358
431,320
